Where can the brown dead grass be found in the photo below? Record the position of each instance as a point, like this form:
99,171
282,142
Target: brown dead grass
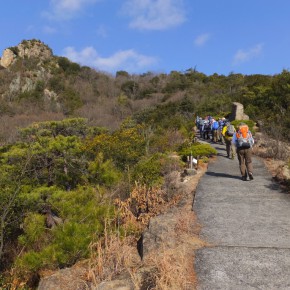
273,165
168,267
112,256
174,267
276,157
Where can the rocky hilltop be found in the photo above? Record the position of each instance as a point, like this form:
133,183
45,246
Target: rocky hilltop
26,49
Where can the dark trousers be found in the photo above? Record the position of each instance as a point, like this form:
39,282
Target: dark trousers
245,160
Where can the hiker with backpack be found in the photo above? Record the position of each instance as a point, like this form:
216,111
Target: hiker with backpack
220,129
200,127
214,130
206,129
244,141
228,132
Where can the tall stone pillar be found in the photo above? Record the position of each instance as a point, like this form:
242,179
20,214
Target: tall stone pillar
238,112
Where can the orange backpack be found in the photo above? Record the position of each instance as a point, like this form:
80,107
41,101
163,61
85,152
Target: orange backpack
243,131
243,137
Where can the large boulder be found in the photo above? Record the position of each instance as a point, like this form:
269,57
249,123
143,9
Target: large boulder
66,279
238,112
7,58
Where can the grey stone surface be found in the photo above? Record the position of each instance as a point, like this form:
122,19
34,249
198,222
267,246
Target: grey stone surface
238,112
247,225
239,268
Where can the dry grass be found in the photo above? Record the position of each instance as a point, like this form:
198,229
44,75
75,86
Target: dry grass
276,157
175,266
166,268
173,269
143,204
112,256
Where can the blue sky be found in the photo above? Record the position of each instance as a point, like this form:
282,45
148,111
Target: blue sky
139,36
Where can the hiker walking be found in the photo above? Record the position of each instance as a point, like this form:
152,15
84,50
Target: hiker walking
206,128
228,132
214,130
243,140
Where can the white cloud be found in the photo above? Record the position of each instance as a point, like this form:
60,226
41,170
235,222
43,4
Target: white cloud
242,56
101,31
201,39
66,9
154,14
128,60
49,30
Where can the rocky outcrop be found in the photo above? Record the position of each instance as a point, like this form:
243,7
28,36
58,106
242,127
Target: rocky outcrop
35,72
116,285
7,58
26,49
50,95
238,112
34,48
66,279
169,224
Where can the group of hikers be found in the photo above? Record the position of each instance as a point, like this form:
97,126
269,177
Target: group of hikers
238,141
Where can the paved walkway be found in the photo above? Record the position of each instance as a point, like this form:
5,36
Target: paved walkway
247,225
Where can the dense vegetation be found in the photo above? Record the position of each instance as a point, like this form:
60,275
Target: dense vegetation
64,184
80,148
55,88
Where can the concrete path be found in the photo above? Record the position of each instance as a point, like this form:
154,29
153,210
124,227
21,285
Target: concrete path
247,226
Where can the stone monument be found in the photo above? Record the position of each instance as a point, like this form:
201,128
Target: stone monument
238,112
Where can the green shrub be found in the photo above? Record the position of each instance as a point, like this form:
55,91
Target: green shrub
34,227
71,100
14,49
30,262
84,213
56,84
166,140
204,159
68,66
250,123
69,243
197,150
103,172
148,170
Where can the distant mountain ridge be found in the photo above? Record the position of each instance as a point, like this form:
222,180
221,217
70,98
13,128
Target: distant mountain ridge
36,85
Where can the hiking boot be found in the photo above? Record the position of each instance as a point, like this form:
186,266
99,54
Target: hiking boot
244,178
251,176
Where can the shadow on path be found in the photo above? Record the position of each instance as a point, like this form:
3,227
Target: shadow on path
221,148
222,155
211,173
278,187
